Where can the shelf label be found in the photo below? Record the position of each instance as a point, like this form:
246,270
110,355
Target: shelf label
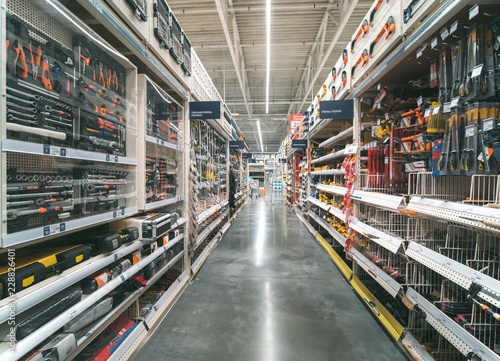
420,100
447,107
386,116
473,11
420,138
436,110
434,42
427,113
386,160
488,124
122,277
469,131
114,214
54,151
454,102
453,27
421,51
54,229
378,121
476,71
444,33
378,86
351,148
160,141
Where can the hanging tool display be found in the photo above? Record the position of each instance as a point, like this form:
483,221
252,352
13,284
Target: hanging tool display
374,11
387,29
161,179
363,30
162,23
162,118
363,59
141,8
176,48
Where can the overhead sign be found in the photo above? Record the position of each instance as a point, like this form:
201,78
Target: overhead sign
246,156
295,122
282,160
299,143
204,110
237,144
336,109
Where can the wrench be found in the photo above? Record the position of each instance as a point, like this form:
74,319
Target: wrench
21,113
58,122
33,110
29,96
29,102
11,117
60,112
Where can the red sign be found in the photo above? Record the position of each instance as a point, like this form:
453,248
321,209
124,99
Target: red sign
295,122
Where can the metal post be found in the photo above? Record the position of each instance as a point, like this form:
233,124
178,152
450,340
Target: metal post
187,190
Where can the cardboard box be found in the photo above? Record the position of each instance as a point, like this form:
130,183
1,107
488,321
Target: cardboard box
262,191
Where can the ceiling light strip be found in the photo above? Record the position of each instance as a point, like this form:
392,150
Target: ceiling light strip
268,47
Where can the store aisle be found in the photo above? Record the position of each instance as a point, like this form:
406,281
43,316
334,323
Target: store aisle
269,292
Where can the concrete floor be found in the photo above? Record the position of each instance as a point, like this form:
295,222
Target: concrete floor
269,292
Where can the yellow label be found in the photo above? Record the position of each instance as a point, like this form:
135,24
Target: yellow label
48,261
79,258
28,281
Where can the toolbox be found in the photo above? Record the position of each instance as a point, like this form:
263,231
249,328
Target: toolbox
151,226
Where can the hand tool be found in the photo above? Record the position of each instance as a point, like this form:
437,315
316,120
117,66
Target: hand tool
372,14
68,125
21,93
31,116
13,98
60,112
85,56
362,30
29,186
14,213
45,73
334,73
10,117
35,59
473,292
21,107
20,61
363,58
388,29
446,145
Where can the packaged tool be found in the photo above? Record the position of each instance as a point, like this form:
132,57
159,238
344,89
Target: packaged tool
90,315
40,314
36,265
468,159
176,32
58,349
186,54
151,226
162,23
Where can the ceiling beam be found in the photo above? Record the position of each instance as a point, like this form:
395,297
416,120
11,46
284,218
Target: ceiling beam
347,11
238,60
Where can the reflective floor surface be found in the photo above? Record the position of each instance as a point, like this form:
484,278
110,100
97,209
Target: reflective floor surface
269,292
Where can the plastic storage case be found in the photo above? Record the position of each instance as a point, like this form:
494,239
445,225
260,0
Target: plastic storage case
69,112
160,147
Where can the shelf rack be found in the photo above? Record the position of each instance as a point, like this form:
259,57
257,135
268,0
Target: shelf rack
326,158
346,134
329,172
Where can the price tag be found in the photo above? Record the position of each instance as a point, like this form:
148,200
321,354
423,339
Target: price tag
476,71
362,114
454,102
469,131
386,160
420,100
444,33
378,121
114,214
447,107
386,116
122,277
420,138
420,52
123,212
473,11
453,27
378,86
488,124
73,314
379,106
427,113
435,110
351,148
434,42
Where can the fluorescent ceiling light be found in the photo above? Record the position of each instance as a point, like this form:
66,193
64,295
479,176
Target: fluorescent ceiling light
268,47
260,136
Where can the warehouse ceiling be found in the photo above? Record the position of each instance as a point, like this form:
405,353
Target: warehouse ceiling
307,38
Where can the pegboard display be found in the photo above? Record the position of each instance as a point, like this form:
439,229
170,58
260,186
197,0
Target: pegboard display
43,190
65,88
137,14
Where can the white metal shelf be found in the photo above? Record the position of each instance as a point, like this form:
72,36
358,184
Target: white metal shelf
415,348
163,203
18,146
39,292
163,143
161,272
160,306
328,157
332,189
214,209
382,278
25,345
208,249
21,237
452,331
329,172
318,203
466,214
127,343
201,237
456,272
337,138
382,238
336,235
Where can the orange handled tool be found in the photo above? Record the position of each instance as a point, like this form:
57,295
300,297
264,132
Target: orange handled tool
45,73
362,58
362,30
388,29
372,14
